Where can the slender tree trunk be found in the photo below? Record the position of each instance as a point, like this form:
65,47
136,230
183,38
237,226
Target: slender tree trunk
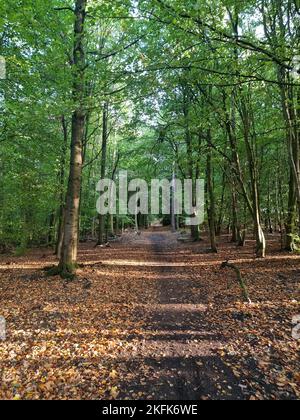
242,229
234,226
291,117
136,219
280,206
173,201
258,231
253,203
189,146
61,211
252,164
50,239
114,219
68,259
291,216
253,200
277,32
84,150
112,224
282,214
221,208
212,205
102,218
269,210
117,226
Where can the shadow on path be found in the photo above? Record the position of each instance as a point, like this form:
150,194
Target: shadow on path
177,359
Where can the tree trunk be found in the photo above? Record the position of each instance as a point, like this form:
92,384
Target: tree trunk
136,220
68,259
61,211
292,127
173,201
102,218
291,217
211,210
112,225
50,239
189,148
234,226
277,32
252,164
291,117
246,116
269,210
221,208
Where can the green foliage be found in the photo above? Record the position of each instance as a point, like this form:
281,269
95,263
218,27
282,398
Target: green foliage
169,70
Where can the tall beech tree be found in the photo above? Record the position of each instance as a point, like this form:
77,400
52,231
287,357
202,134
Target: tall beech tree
68,258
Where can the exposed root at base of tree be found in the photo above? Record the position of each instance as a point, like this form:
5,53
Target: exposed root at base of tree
66,272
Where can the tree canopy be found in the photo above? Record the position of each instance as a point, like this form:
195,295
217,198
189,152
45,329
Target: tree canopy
210,86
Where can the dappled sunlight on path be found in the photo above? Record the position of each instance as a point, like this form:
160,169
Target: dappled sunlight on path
150,318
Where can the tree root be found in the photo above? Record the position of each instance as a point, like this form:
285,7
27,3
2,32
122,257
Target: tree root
243,286
66,272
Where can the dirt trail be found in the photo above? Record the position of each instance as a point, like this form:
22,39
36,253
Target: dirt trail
177,357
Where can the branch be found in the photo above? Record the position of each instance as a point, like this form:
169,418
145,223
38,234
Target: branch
112,54
242,42
248,77
243,286
60,9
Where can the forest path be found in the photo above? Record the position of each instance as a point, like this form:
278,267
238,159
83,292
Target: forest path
176,356
150,318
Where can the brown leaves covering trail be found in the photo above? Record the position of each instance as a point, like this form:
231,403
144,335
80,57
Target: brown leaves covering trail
151,318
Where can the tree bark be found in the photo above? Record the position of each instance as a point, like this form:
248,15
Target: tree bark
102,218
61,210
290,230
212,204
68,259
279,31
189,146
234,226
252,164
173,201
221,208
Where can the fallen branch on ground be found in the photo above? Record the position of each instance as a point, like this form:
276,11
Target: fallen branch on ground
243,286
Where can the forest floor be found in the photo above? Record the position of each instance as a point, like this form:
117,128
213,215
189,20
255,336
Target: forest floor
151,318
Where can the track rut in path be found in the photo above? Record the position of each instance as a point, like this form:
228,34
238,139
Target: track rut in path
176,359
